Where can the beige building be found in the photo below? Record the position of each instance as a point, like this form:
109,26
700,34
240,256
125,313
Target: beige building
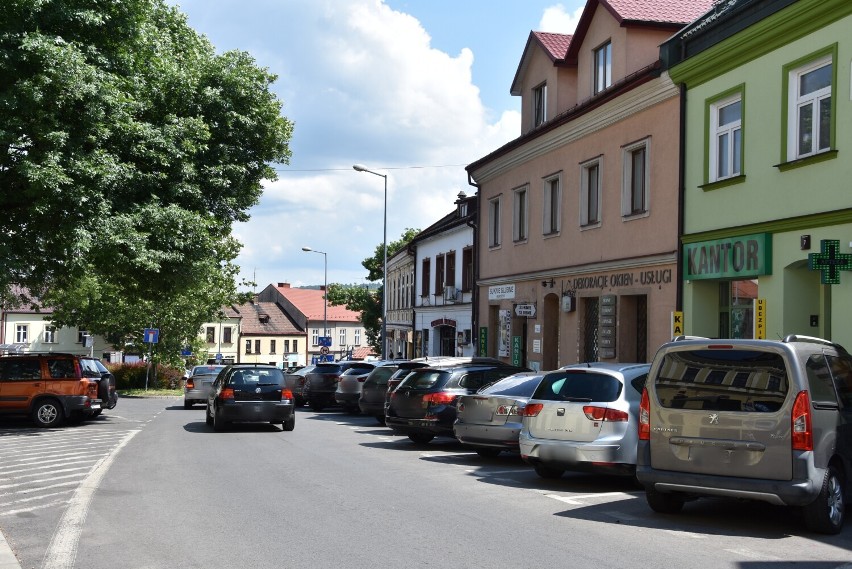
400,303
269,336
222,336
577,241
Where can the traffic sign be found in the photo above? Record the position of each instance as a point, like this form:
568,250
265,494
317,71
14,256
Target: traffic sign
151,336
324,350
325,341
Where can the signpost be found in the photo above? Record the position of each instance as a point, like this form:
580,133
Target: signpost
150,336
525,310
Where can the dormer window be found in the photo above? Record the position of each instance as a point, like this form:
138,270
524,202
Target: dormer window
540,104
603,67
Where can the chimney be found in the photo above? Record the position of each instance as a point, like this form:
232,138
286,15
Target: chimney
283,285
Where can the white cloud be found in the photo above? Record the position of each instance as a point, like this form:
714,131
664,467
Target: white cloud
557,20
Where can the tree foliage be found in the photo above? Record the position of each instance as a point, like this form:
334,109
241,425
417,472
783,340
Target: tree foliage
364,300
128,148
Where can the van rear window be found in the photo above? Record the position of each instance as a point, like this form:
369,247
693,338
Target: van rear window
578,386
722,380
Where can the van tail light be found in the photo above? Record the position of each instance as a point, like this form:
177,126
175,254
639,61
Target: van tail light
604,414
286,394
533,409
645,417
227,393
803,437
190,384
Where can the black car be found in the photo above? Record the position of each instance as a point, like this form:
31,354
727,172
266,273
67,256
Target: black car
294,380
251,393
375,388
321,382
423,406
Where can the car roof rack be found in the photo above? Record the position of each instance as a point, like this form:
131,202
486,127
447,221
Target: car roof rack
811,339
681,338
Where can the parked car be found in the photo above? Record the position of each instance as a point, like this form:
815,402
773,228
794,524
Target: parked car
490,420
321,382
423,406
406,367
196,387
349,386
374,391
584,417
50,388
250,393
767,420
93,367
295,382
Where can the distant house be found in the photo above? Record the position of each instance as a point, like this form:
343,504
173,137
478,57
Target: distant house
222,336
269,335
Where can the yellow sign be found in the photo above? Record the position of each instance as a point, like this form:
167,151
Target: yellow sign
678,328
760,318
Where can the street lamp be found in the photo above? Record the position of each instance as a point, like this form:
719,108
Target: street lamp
325,288
360,168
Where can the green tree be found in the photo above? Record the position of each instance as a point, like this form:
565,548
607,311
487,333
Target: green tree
128,148
364,300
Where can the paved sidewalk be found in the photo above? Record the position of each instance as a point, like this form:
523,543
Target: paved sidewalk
7,558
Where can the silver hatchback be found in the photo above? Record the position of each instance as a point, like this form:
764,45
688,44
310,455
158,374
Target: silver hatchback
196,386
584,418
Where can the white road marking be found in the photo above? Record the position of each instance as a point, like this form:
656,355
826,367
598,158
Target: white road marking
62,551
751,554
685,534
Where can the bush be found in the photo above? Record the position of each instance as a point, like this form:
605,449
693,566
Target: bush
132,376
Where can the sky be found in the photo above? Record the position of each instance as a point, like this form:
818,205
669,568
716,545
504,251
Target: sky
412,89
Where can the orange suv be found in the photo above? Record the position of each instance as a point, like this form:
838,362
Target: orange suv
50,388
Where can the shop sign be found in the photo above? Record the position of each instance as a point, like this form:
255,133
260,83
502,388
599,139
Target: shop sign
505,331
760,318
677,324
615,280
830,261
516,351
501,292
741,257
483,341
525,310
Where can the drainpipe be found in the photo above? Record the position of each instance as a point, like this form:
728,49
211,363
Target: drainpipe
474,295
681,180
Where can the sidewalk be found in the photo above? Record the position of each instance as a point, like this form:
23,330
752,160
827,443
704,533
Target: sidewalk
7,558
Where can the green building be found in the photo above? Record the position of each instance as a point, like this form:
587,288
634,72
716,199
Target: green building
766,169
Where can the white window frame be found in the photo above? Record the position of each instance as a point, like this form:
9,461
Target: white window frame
586,222
341,337
796,102
520,214
357,336
50,334
602,67
627,178
81,335
733,131
22,333
539,102
494,229
315,336
551,221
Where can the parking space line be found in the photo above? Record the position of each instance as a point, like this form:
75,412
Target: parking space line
751,554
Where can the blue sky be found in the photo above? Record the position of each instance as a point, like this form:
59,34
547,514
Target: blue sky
416,89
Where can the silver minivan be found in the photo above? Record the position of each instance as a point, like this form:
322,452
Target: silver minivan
767,420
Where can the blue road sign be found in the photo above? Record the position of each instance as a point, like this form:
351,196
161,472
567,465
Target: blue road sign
186,352
151,336
325,341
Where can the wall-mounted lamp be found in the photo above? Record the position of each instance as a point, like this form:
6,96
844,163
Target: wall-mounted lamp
805,242
548,283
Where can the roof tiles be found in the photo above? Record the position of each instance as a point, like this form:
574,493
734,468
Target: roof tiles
666,11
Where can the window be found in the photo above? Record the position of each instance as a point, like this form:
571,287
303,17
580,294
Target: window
439,275
50,334
257,346
636,179
540,104
81,335
286,346
341,337
520,219
357,336
590,196
315,337
467,268
552,206
211,334
726,138
450,280
226,335
248,346
809,108
427,275
271,346
295,345
494,222
21,333
603,67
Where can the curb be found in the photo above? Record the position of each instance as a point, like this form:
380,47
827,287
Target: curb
7,557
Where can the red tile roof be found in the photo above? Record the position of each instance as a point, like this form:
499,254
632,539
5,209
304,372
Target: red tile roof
664,11
362,352
556,45
310,303
266,319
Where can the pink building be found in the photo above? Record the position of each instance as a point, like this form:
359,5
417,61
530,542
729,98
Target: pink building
577,241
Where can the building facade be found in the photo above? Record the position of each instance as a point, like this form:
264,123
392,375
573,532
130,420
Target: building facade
578,217
222,336
400,304
766,210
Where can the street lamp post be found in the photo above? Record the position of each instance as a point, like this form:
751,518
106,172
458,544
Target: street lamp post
325,288
360,168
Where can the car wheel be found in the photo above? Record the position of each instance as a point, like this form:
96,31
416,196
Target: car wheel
48,413
548,472
208,418
663,503
96,412
420,438
825,514
218,423
289,424
489,452
187,404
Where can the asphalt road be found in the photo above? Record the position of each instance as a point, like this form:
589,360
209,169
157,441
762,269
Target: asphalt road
163,491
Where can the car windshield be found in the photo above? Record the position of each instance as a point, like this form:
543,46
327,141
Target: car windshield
522,385
579,386
89,368
327,368
256,376
207,370
422,379
380,375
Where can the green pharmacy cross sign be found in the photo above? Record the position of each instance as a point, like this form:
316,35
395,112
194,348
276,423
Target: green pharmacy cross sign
830,261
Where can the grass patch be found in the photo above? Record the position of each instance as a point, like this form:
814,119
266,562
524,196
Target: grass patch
150,392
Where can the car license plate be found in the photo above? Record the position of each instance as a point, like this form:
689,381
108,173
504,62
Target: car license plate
95,406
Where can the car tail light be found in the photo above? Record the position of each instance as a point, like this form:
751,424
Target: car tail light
286,394
362,378
226,393
440,398
803,438
645,417
190,384
460,406
605,414
533,409
505,410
